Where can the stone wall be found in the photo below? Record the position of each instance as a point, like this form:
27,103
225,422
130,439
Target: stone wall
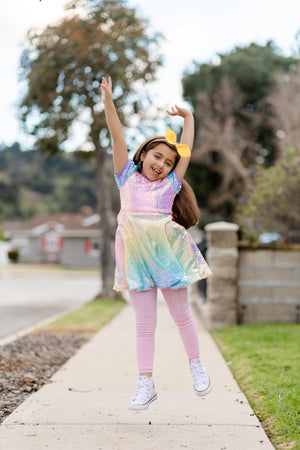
222,256
268,285
248,285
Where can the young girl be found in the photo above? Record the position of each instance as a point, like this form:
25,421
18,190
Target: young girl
153,248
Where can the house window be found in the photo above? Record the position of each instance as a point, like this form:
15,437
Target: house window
96,246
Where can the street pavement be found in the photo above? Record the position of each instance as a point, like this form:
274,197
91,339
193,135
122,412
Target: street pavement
30,294
86,405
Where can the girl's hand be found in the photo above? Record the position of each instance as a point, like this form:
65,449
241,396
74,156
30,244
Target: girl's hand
106,89
178,111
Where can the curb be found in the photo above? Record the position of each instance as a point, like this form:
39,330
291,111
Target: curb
18,334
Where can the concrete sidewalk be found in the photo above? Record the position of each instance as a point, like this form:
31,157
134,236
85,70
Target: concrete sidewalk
86,405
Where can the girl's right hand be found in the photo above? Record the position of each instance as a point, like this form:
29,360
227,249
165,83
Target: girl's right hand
106,89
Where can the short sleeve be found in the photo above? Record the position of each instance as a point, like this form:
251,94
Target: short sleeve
125,173
173,177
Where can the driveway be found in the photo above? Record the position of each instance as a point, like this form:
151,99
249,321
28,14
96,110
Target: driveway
30,294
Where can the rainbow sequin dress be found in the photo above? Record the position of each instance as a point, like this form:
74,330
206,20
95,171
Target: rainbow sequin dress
152,249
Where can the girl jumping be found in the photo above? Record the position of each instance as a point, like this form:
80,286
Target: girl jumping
153,249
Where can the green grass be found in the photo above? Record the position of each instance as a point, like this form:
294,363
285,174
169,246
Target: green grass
265,360
90,317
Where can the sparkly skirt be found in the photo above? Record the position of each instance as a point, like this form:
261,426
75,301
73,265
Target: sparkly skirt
152,249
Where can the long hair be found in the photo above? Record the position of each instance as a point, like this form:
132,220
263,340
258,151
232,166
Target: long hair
185,210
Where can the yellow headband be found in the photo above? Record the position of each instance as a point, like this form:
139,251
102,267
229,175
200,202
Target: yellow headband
170,137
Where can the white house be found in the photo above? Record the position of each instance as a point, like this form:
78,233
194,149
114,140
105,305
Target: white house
71,240
4,248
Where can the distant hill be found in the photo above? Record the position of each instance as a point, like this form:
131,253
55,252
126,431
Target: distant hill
31,183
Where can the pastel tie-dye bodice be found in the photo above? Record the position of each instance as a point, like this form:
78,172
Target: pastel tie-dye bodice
138,193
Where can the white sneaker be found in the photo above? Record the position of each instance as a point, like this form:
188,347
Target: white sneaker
145,394
202,384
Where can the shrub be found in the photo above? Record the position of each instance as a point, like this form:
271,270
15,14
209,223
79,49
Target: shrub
13,255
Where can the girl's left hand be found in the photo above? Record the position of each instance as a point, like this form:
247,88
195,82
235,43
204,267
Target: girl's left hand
178,111
106,89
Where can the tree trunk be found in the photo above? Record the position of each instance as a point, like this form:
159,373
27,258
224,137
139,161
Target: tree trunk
107,261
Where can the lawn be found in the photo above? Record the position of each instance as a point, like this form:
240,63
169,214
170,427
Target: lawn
91,317
265,361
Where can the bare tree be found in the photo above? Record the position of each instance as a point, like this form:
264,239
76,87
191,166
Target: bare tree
285,101
222,141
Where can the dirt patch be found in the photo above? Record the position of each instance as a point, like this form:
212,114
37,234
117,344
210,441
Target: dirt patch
28,363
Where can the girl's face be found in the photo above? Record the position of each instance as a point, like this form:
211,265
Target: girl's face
158,162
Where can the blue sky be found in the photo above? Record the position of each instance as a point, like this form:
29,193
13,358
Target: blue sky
193,29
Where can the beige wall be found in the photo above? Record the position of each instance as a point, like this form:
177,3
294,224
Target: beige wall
268,285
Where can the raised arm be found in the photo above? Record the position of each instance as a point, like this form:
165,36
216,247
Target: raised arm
187,137
120,154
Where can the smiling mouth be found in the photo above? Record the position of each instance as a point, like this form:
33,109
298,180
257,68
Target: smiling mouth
157,171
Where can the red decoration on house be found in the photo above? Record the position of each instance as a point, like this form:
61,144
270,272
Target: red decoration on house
88,245
44,242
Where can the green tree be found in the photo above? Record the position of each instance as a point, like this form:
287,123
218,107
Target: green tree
63,66
31,183
234,131
9,199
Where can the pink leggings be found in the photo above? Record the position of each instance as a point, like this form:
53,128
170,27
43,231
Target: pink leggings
145,307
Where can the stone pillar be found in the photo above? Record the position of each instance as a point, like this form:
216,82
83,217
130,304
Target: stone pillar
222,257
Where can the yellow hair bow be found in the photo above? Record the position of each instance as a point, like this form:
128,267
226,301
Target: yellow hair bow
182,149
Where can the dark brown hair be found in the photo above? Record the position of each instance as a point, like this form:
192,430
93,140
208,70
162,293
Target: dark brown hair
185,210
